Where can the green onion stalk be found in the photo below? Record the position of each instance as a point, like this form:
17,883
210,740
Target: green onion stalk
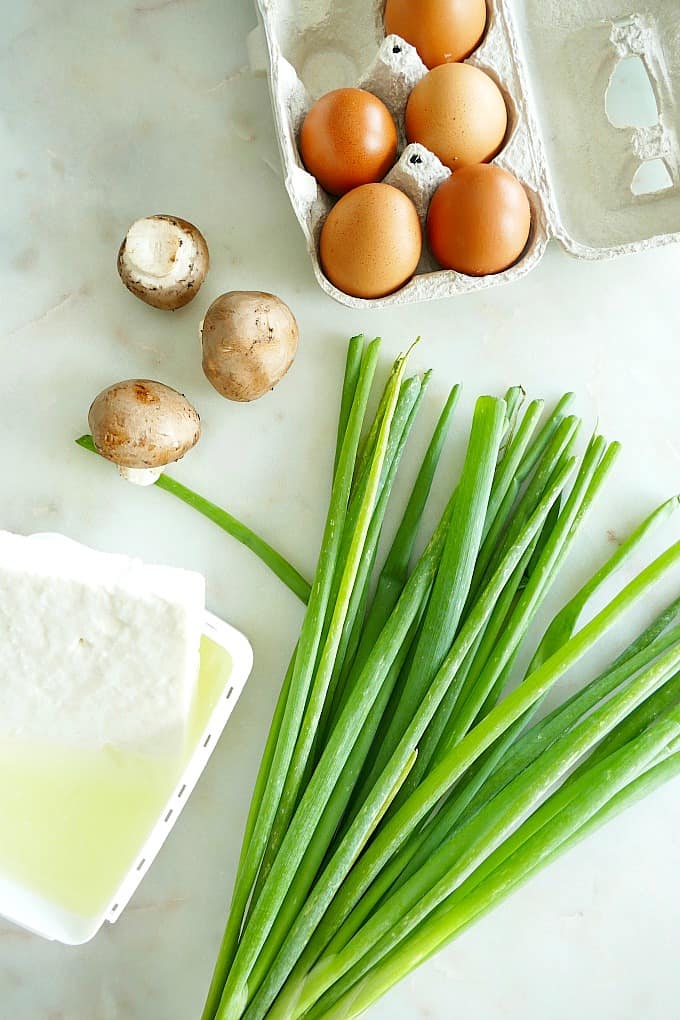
410,781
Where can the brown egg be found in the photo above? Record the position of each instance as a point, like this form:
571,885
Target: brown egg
479,220
441,30
371,241
348,138
457,112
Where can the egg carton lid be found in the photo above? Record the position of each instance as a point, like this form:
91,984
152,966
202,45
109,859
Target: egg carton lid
568,56
584,171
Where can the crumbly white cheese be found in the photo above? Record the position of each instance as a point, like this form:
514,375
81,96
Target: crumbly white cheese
95,648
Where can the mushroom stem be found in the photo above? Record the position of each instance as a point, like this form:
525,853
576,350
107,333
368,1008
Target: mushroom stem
140,476
155,248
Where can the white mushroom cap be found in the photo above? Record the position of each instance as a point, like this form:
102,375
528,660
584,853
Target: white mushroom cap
141,426
163,260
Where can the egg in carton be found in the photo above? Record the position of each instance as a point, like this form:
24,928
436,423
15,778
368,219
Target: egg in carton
584,173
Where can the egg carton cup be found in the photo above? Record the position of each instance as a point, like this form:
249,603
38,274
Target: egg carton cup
35,914
554,63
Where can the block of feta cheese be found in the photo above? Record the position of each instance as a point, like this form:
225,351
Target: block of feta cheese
95,648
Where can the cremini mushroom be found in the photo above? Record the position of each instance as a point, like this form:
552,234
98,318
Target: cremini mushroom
163,260
249,341
141,426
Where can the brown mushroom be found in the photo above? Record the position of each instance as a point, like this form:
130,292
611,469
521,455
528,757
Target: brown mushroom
141,426
249,341
163,260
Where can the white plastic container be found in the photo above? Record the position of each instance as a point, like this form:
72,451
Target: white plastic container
554,62
228,655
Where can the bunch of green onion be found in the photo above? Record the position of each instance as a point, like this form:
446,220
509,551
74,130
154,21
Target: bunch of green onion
409,783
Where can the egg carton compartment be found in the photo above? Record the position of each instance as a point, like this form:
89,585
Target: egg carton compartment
556,66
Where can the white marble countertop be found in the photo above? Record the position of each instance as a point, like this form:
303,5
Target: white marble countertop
114,110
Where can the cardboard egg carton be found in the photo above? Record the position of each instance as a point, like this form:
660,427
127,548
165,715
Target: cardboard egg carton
597,187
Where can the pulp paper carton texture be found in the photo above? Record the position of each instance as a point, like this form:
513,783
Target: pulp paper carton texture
599,188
